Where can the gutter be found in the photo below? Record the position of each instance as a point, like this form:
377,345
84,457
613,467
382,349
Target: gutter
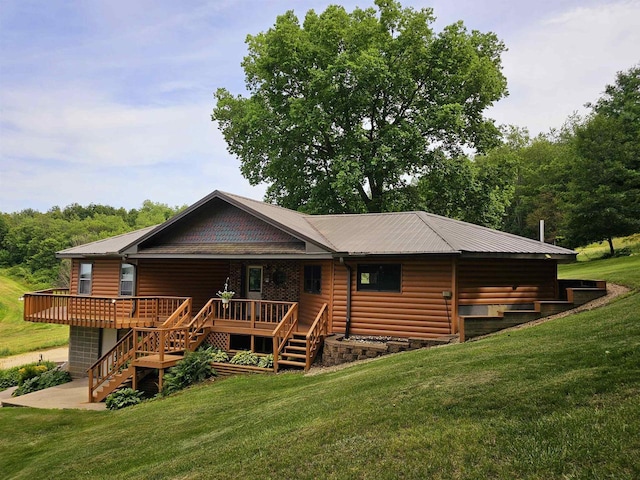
347,326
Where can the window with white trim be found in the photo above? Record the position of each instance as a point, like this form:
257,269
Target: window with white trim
127,280
84,278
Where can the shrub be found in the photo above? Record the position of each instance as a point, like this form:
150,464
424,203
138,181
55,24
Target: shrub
245,358
218,355
46,379
125,397
193,368
11,376
30,371
266,361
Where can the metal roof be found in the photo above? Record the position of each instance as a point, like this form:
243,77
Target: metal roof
107,246
352,234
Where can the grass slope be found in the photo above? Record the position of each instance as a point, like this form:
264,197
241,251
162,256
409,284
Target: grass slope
18,336
558,401
623,270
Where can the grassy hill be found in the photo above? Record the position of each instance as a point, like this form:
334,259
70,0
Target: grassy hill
18,336
558,401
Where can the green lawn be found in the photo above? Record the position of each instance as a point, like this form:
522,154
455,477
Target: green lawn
558,401
623,270
18,336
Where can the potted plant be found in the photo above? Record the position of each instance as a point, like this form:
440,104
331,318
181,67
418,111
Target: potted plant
226,295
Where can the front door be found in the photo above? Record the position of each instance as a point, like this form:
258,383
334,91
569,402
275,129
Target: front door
254,282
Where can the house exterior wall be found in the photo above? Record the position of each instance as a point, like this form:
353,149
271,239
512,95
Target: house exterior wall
506,281
84,349
199,279
105,277
418,310
310,303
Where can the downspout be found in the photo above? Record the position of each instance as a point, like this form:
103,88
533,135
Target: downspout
347,326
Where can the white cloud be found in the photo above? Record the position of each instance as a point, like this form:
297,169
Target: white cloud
557,65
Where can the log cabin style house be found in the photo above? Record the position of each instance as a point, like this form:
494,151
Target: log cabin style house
141,299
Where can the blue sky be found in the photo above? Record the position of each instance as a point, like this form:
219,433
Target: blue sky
109,101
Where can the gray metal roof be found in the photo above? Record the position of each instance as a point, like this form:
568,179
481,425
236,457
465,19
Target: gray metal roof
107,246
354,234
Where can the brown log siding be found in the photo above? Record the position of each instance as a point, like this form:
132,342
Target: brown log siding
417,311
501,281
199,279
105,277
310,303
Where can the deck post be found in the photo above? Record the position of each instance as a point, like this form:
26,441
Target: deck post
91,385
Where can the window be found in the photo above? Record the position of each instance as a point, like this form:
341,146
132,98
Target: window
379,277
312,278
127,279
84,279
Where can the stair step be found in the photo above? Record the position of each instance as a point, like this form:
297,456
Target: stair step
296,348
291,363
293,355
298,341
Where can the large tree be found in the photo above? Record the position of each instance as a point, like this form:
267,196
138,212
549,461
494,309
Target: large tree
344,108
604,191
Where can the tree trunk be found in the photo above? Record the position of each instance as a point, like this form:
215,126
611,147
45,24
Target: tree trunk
611,250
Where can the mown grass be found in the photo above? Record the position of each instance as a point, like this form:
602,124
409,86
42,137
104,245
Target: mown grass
558,401
18,336
622,270
598,250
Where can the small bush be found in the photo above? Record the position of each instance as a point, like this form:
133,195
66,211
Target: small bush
218,355
125,397
245,358
30,371
11,376
46,379
193,368
266,361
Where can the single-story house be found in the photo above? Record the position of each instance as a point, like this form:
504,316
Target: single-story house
139,300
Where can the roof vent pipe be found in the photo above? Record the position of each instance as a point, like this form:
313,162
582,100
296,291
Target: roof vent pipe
542,231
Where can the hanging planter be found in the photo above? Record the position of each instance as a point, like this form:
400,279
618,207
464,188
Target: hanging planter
226,295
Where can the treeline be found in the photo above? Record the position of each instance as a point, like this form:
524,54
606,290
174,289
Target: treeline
582,180
29,239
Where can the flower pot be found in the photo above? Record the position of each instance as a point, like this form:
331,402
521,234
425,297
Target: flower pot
225,300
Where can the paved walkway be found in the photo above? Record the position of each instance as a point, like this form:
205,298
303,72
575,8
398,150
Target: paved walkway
58,355
68,395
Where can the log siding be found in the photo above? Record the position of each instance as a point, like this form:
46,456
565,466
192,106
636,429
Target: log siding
501,281
418,310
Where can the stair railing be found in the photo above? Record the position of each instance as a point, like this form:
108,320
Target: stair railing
198,323
316,334
115,360
181,315
283,332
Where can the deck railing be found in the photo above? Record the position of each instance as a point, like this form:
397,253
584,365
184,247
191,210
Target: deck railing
316,334
53,306
283,332
253,311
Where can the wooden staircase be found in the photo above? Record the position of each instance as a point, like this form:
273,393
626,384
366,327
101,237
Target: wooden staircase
477,325
150,347
294,353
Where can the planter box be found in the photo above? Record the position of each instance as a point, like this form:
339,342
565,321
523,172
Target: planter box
227,369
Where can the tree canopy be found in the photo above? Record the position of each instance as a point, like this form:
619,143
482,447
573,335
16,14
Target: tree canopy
604,191
344,108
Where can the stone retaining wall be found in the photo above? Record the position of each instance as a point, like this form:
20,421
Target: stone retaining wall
337,350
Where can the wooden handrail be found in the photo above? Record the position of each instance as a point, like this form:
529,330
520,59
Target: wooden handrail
315,335
178,317
283,332
110,363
